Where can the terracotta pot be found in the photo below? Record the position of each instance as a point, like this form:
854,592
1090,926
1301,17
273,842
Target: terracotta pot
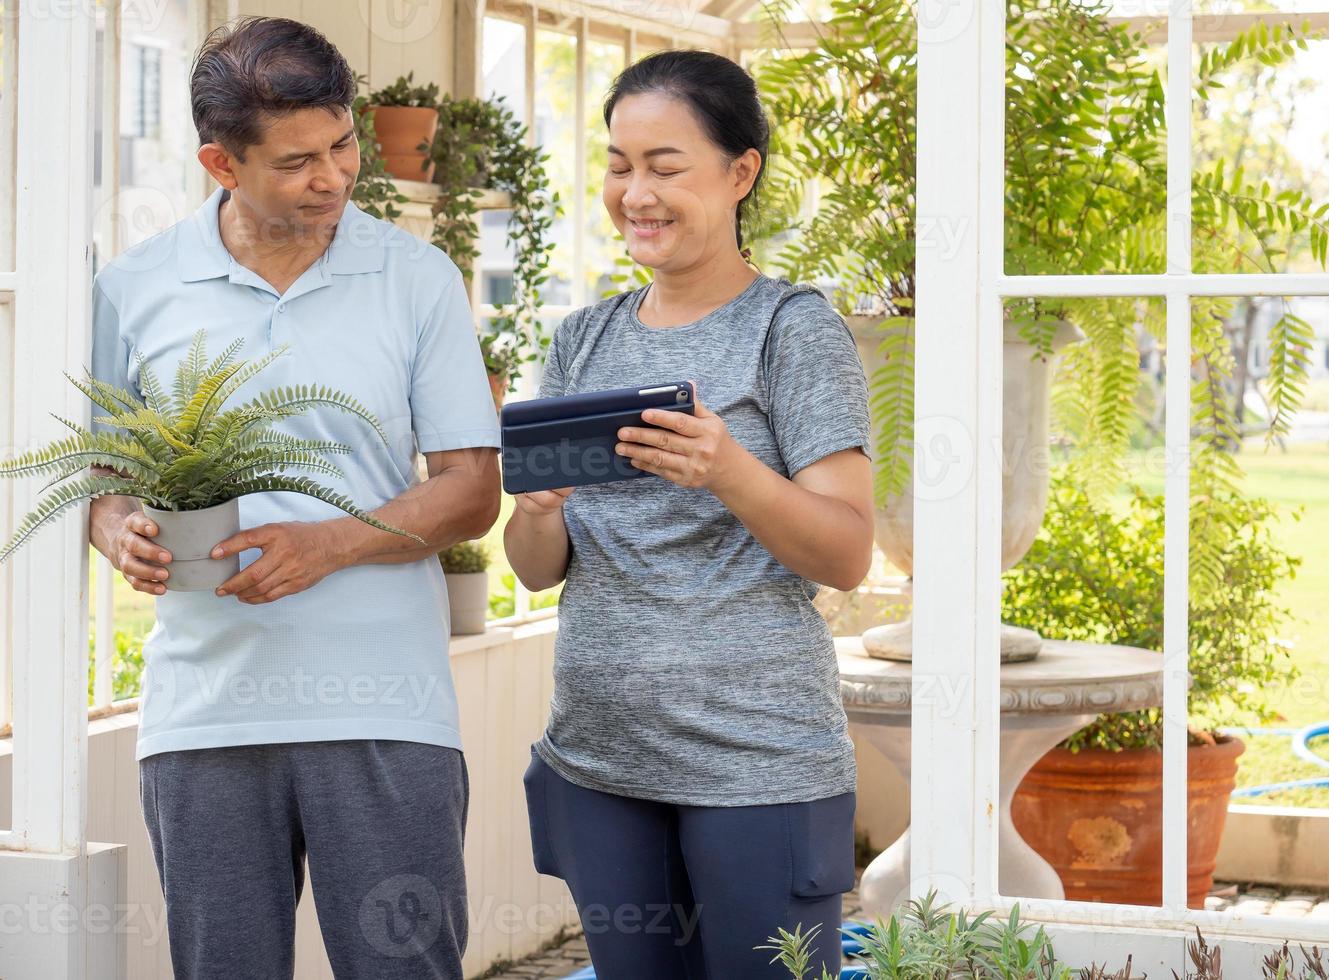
498,387
1097,818
401,131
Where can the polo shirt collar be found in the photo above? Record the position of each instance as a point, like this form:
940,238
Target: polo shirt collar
356,247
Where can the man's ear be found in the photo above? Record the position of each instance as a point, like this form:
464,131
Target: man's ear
219,162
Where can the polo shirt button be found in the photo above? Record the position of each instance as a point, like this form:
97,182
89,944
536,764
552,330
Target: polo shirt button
281,309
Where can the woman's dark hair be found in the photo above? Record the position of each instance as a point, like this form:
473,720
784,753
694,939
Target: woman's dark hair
720,93
257,67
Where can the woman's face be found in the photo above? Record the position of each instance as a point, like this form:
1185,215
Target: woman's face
671,192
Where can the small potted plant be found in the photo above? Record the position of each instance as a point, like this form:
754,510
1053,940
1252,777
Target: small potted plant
190,460
405,117
465,567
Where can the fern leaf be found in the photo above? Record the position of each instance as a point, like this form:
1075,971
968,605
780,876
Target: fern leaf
61,499
271,484
301,397
233,381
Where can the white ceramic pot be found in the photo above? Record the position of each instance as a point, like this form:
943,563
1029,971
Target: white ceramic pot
190,536
468,601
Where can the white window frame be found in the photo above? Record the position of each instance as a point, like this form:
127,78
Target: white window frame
957,533
47,301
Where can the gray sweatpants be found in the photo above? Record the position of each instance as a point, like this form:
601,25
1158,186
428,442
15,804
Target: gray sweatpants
381,822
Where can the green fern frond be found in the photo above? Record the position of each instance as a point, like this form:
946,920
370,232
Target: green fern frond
224,358
147,420
189,372
103,449
277,462
63,498
300,397
271,484
147,382
229,379
205,398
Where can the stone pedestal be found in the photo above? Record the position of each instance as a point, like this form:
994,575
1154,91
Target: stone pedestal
1042,702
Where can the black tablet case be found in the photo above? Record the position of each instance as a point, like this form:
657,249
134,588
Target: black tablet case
569,441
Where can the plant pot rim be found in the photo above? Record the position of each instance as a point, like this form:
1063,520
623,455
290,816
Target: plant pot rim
193,510
1223,745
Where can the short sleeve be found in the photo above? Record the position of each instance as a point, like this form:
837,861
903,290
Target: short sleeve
553,379
452,405
816,389
110,352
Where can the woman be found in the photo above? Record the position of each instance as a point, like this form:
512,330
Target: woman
695,784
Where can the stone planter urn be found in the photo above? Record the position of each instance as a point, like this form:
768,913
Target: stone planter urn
1024,484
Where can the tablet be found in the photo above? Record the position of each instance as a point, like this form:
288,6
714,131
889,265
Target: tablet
569,441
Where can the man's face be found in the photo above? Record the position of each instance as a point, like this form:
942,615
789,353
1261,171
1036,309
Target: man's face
296,182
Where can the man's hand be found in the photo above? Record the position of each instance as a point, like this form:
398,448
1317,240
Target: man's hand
141,560
296,555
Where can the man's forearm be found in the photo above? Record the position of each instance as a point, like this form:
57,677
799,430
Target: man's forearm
428,509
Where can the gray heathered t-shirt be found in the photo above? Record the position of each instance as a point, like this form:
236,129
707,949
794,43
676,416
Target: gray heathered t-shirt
690,665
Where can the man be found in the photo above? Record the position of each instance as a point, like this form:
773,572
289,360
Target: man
306,710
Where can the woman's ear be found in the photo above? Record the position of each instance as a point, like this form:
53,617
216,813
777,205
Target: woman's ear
744,170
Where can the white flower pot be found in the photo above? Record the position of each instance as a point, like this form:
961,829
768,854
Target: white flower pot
468,601
190,536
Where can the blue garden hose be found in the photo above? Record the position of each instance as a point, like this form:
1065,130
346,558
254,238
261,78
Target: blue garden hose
1301,748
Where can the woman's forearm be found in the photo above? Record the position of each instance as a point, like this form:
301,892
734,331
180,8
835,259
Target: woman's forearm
537,548
820,537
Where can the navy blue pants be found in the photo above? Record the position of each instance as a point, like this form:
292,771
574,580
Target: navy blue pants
671,892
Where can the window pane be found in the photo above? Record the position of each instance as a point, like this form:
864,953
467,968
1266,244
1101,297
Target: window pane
505,76
603,243
156,139
505,63
555,105
1259,144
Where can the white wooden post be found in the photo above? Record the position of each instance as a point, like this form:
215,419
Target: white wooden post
47,868
1177,446
957,484
104,654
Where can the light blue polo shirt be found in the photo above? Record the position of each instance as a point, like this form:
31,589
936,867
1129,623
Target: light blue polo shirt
383,317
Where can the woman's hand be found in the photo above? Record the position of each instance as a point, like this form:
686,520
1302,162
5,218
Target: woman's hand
542,503
690,450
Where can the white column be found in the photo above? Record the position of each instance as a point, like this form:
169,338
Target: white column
957,412
1176,508
47,868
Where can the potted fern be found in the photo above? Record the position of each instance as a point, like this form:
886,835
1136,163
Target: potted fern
189,459
465,567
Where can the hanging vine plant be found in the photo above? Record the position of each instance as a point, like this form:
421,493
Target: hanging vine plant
481,146
374,192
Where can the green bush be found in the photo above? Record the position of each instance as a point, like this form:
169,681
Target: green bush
1097,576
463,557
126,666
